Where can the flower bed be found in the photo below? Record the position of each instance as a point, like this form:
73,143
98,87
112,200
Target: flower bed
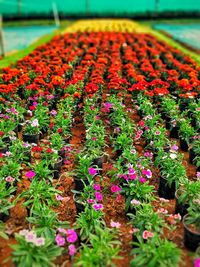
99,154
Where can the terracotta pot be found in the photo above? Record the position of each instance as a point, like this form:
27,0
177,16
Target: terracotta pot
191,238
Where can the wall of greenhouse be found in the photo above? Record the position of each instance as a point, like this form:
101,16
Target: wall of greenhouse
97,7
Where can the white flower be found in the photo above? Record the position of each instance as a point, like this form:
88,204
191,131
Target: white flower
39,241
173,155
35,123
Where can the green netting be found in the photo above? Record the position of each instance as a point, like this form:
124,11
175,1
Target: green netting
25,7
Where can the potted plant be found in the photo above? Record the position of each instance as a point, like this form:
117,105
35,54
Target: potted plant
191,223
31,131
186,132
194,150
185,196
32,248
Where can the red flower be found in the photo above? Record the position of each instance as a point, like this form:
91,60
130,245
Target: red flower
60,130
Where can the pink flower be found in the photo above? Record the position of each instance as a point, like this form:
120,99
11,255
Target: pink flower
142,180
60,240
162,211
131,171
90,201
72,249
39,241
35,123
135,202
59,197
147,172
132,176
97,187
115,224
135,230
157,132
94,138
98,206
174,147
148,154
197,262
53,112
98,196
30,174
147,234
71,236
164,200
115,188
118,197
92,171
62,230
30,236
9,179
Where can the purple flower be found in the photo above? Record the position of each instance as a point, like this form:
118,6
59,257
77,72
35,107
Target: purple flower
72,249
97,206
60,240
30,174
148,154
108,105
92,171
198,174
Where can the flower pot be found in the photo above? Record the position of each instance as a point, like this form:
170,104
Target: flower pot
174,132
57,166
6,139
4,217
79,205
183,145
56,174
192,155
191,237
98,162
180,208
119,152
61,153
166,191
31,138
3,149
80,183
27,154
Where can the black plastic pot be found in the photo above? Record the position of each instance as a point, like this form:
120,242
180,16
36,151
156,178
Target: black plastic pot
183,145
98,162
79,205
4,217
180,208
31,138
57,166
80,183
61,153
6,139
28,156
3,149
174,132
119,152
192,155
166,191
56,174
191,239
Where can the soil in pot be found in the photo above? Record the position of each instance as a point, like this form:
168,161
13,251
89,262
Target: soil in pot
191,235
31,138
165,190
